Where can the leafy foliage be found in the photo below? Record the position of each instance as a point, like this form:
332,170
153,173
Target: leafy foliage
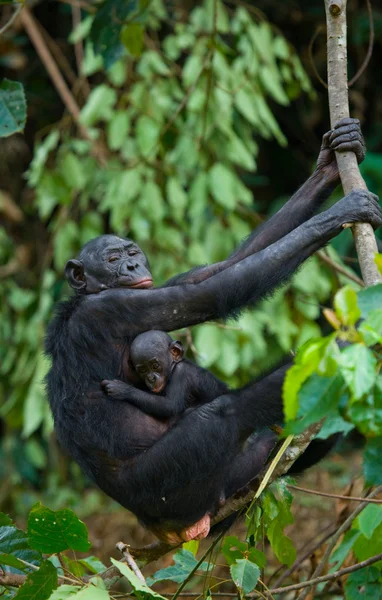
13,111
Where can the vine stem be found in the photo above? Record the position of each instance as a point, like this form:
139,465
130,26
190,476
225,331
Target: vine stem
351,177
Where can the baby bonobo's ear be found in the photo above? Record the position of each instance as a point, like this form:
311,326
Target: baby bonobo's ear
177,351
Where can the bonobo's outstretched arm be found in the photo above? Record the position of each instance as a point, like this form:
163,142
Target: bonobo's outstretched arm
152,404
345,136
225,293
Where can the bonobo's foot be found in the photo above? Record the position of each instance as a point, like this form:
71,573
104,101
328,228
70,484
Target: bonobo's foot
360,206
345,137
197,531
115,388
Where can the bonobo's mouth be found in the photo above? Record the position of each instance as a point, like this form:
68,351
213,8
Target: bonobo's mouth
158,388
143,284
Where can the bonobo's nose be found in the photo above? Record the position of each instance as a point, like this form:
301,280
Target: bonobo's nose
128,266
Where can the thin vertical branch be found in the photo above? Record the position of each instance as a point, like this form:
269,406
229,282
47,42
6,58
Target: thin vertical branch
351,178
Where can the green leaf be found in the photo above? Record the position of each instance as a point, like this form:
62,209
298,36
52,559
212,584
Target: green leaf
15,543
334,424
177,198
365,584
93,564
358,369
245,575
339,555
184,563
233,549
222,186
345,303
91,592
64,592
12,561
132,38
54,531
5,520
208,344
13,108
66,243
147,132
72,171
282,545
369,519
142,590
369,299
372,461
99,105
371,328
39,584
106,28
117,129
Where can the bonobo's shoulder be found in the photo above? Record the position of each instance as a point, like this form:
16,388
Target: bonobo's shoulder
64,312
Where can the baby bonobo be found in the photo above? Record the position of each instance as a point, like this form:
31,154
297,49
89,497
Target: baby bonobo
160,363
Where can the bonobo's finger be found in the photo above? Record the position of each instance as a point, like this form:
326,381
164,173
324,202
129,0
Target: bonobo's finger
346,121
348,136
326,140
104,383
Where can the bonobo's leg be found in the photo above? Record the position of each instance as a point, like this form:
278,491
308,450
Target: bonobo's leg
176,482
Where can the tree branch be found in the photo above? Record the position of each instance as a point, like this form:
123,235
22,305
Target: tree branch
351,178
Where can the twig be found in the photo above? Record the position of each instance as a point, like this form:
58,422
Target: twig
59,82
328,577
345,525
11,20
124,549
320,28
329,261
337,496
79,49
351,178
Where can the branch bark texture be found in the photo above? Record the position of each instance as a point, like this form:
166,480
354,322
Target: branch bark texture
351,177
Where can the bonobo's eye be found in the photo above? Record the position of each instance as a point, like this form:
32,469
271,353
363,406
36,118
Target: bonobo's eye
155,364
133,252
113,258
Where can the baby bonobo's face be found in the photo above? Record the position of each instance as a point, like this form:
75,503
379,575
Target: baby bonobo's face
154,355
154,373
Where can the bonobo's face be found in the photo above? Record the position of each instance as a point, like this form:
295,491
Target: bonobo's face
154,355
109,262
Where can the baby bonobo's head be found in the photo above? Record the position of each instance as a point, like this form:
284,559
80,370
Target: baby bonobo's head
154,354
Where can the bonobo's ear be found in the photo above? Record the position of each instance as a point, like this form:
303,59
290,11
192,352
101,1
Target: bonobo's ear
74,273
177,351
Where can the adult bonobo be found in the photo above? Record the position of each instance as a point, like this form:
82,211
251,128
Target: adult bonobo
173,477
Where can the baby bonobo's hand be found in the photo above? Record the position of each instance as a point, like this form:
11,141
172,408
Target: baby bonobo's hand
115,388
346,136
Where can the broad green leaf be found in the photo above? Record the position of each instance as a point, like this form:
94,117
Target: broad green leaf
365,547
233,549
177,198
191,546
281,544
245,575
208,344
369,299
359,369
39,584
138,586
73,171
147,132
132,38
245,105
365,584
334,424
11,561
99,105
117,129
184,563
64,591
371,328
5,520
13,108
106,28
345,303
151,201
369,519
372,461
55,531
229,359
15,542
91,592
93,564
222,186
40,157
339,555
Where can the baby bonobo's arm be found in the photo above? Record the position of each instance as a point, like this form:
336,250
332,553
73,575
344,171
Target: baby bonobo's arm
151,404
